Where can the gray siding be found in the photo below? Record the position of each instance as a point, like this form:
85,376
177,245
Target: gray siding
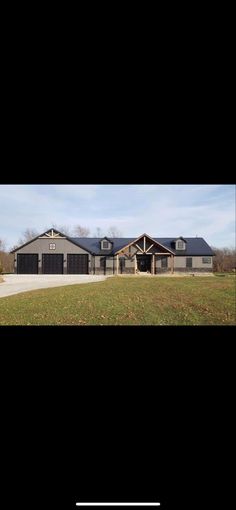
41,246
65,247
180,262
158,261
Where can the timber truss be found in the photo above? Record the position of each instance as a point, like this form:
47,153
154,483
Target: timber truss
145,245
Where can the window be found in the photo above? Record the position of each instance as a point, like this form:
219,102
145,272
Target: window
206,260
164,262
180,245
103,263
52,246
189,262
105,245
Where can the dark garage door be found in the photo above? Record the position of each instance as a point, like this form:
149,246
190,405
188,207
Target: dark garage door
77,264
27,263
52,263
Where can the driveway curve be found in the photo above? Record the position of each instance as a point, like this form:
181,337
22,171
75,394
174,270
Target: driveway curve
15,284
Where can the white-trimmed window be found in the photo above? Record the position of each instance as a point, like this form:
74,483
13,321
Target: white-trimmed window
52,246
180,245
206,260
105,245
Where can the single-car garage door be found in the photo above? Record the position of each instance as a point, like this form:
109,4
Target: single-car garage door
52,263
27,263
77,264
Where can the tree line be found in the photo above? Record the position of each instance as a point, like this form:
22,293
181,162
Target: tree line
224,260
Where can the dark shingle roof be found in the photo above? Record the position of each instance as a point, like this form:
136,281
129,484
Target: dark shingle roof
194,246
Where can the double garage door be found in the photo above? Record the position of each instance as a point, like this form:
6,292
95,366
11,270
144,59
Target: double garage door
52,263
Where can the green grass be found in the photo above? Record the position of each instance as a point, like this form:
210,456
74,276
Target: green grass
137,301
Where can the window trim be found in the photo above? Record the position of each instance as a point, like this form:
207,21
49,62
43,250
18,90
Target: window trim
52,246
102,244
182,244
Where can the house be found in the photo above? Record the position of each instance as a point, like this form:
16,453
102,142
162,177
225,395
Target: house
55,253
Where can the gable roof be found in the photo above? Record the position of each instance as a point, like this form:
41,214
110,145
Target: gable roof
150,239
194,245
43,235
178,238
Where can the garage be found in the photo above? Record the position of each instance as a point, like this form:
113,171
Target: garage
27,263
52,263
77,264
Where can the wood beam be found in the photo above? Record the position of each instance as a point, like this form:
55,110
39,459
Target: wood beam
135,264
117,264
172,263
153,264
149,248
140,249
144,244
150,238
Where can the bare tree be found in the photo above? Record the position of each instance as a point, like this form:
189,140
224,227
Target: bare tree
27,235
2,245
114,232
98,232
81,231
224,260
6,259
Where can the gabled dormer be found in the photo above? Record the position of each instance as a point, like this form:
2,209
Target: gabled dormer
106,244
180,244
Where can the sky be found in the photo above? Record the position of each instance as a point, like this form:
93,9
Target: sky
206,211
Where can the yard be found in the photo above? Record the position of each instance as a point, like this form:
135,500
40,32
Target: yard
126,301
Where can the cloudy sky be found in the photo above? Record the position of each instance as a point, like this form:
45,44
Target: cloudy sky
159,210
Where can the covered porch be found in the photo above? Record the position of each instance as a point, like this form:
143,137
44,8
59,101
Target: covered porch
144,253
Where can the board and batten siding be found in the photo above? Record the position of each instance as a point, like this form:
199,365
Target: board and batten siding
41,246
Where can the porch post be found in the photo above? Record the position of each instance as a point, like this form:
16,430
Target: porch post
153,264
172,263
135,264
117,264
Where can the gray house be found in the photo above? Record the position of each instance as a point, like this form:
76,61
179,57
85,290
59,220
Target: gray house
55,253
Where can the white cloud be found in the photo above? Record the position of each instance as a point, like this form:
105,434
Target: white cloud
159,210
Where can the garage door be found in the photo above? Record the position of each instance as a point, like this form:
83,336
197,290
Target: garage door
77,264
52,263
27,263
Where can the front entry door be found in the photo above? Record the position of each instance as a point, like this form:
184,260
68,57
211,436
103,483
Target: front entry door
144,263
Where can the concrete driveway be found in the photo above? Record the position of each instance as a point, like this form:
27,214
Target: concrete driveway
15,284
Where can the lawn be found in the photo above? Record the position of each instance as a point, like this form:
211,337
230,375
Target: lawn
126,301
